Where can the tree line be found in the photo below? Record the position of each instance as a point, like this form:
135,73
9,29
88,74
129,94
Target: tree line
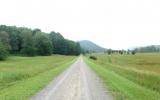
110,51
28,42
152,48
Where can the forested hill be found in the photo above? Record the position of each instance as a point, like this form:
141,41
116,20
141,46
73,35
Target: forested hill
31,42
151,48
90,46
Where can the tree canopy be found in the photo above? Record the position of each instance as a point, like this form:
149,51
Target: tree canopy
31,42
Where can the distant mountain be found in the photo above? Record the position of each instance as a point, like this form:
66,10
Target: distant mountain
90,46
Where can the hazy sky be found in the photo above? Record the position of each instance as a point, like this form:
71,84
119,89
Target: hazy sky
116,24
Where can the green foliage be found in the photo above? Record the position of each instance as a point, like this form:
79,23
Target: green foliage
58,42
78,49
4,45
3,52
36,31
64,46
14,37
73,48
28,47
21,40
109,51
43,44
93,57
133,52
4,39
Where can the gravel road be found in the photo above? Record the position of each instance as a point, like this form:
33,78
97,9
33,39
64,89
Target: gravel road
78,82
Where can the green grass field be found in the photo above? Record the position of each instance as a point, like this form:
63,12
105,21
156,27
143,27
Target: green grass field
129,77
22,77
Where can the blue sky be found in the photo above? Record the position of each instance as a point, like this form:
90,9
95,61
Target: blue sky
116,24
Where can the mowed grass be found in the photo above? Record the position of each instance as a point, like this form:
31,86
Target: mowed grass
22,77
129,77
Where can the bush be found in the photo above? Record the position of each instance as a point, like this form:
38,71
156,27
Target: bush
109,51
3,52
93,57
133,52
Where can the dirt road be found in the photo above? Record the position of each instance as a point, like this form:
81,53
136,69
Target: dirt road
78,82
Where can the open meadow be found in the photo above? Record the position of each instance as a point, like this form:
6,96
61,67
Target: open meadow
129,77
22,77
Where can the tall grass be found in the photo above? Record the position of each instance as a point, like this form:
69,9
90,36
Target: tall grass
21,77
142,70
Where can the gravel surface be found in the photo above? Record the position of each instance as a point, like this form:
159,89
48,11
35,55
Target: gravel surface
78,82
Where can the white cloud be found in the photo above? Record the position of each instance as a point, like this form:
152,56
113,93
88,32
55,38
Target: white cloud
113,24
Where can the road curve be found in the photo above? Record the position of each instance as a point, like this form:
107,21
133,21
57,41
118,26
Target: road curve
78,82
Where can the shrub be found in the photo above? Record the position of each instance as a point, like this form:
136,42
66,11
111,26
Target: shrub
93,57
109,51
133,52
3,52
